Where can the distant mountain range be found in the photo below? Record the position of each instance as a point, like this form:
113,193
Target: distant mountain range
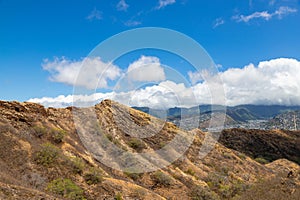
236,116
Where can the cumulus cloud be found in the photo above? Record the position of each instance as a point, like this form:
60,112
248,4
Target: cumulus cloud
122,5
164,3
70,100
265,15
94,73
161,96
195,77
146,68
95,15
270,82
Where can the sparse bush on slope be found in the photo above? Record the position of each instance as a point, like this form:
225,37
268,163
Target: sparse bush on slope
136,144
57,135
160,178
201,193
65,188
92,177
47,155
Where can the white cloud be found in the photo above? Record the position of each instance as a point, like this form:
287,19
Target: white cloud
266,15
122,5
195,77
270,82
132,23
218,22
146,68
164,3
284,11
70,100
95,15
91,69
164,95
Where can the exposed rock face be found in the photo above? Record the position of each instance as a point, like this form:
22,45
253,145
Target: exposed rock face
43,157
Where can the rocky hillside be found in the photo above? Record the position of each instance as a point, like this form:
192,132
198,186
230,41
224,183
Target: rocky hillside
268,145
43,157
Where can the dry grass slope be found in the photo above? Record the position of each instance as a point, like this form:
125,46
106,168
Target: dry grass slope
42,157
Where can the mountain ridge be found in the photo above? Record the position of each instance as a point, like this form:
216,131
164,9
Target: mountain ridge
258,111
236,116
41,151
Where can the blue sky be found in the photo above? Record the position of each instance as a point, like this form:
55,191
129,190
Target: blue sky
235,33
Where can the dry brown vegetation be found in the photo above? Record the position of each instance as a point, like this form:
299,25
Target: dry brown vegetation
42,157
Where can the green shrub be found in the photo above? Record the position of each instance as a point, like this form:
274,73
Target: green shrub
190,172
136,144
214,181
92,177
58,135
109,137
39,131
238,187
47,155
241,155
261,160
225,186
118,197
202,193
227,155
65,188
133,176
77,165
278,187
162,144
225,190
161,178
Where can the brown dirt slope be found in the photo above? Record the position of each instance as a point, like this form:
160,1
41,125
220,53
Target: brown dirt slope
42,157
